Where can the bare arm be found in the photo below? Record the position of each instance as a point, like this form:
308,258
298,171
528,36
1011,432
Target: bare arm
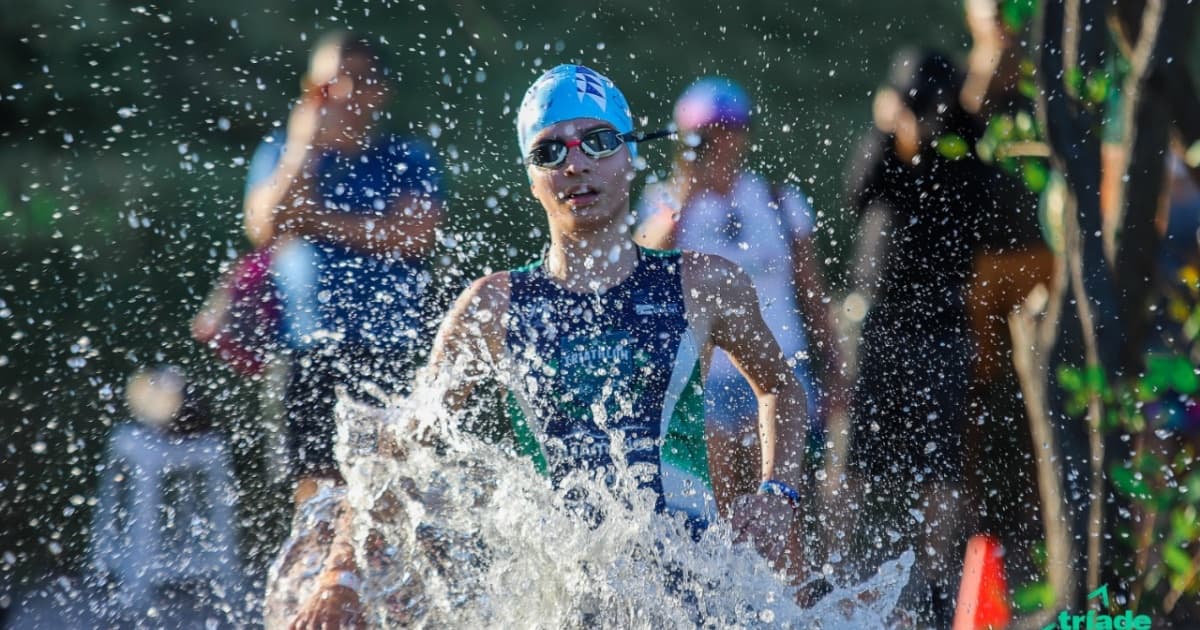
407,229
818,320
471,338
738,329
729,311
292,183
287,202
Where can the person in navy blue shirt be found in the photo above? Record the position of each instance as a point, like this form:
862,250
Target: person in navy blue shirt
350,212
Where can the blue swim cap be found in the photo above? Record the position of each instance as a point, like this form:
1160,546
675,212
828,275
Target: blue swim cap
569,91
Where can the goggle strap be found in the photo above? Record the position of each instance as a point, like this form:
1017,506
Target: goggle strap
642,136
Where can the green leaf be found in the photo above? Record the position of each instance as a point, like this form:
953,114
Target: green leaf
1017,14
1026,129
1192,483
1073,80
1029,89
1112,420
1036,174
1070,378
1033,597
1038,555
1127,483
1183,523
985,148
1150,465
1095,380
1179,581
1145,391
1001,127
1177,560
1096,87
952,147
1153,576
1182,376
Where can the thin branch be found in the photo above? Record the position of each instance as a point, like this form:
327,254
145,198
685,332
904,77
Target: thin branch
1022,149
1032,369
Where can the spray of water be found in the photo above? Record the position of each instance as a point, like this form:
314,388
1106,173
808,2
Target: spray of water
464,533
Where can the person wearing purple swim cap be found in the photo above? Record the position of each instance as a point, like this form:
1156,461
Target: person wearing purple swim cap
712,203
629,333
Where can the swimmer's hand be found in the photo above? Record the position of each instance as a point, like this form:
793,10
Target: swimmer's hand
771,524
331,606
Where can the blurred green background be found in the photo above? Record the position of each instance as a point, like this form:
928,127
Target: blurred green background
125,128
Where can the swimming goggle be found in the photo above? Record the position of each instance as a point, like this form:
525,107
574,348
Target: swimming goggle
596,144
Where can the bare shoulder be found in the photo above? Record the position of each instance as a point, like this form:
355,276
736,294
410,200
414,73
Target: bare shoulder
477,315
711,275
485,299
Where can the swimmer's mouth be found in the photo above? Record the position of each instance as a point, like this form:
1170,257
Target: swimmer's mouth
580,193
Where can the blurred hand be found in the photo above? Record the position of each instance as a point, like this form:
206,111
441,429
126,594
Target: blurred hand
318,119
769,522
885,108
330,608
307,123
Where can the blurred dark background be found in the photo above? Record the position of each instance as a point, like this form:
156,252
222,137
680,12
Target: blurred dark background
125,129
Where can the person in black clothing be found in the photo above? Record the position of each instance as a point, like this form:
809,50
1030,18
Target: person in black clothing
1011,261
915,170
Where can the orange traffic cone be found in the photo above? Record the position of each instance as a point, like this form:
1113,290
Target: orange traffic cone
983,594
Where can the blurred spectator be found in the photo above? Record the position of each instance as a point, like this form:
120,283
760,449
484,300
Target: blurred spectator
712,203
164,398
352,211
1013,259
909,406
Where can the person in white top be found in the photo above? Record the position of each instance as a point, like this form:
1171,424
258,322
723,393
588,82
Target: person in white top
713,204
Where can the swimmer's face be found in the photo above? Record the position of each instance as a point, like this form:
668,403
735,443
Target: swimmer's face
583,191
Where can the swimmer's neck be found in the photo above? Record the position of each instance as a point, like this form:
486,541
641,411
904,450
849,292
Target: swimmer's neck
593,261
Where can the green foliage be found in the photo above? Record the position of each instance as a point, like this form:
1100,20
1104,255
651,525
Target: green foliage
1036,174
1032,598
1038,595
1013,141
1081,386
1017,14
1161,477
952,146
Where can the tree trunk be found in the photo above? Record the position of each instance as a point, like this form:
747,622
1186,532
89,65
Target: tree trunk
1163,34
1072,43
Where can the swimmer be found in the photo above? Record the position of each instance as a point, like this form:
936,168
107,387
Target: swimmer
602,338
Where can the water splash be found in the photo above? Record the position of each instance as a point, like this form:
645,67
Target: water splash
460,532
